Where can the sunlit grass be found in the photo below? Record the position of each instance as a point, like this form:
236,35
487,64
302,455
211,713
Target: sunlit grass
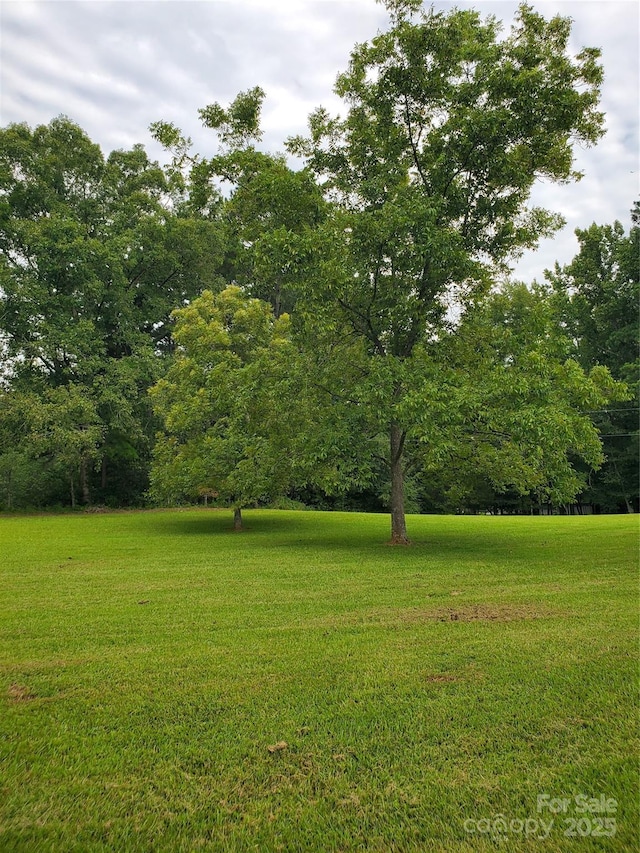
149,661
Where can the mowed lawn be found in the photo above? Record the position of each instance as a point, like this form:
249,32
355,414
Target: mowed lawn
169,685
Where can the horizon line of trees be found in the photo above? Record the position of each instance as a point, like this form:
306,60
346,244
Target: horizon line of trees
231,330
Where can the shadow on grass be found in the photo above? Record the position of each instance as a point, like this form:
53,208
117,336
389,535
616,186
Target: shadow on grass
434,537
220,523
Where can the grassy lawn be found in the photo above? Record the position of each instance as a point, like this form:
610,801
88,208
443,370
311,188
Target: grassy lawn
168,685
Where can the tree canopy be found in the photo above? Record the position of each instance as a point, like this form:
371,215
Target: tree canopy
597,297
448,126
341,327
94,258
227,404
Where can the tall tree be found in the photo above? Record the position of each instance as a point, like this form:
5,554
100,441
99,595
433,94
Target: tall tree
449,123
597,297
228,404
94,256
517,417
493,399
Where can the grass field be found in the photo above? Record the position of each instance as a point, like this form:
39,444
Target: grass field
168,685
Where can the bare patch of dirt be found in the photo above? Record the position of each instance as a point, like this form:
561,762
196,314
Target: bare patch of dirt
477,613
20,693
397,618
493,613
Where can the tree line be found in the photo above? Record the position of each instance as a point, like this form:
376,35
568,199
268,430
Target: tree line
343,334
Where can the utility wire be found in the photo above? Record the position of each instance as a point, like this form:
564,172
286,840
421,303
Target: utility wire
617,434
606,411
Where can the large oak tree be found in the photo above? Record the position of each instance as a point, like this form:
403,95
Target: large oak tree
449,123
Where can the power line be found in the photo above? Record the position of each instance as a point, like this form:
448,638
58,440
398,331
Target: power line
606,411
617,434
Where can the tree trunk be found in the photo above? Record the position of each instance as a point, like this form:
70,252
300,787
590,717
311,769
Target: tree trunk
237,518
277,300
103,473
627,502
84,482
398,524
73,492
10,490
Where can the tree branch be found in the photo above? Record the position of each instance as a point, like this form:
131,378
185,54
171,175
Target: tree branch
368,329
414,148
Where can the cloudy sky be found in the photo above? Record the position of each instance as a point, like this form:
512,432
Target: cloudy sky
114,66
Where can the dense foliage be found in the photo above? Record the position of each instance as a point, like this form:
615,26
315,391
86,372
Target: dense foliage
95,256
228,405
332,334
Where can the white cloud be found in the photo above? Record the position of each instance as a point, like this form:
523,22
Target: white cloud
114,67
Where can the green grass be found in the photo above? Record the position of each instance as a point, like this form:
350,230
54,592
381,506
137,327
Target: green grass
149,660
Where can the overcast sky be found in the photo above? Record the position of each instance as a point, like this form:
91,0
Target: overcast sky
114,66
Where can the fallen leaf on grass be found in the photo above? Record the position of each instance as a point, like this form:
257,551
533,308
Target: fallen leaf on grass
278,747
